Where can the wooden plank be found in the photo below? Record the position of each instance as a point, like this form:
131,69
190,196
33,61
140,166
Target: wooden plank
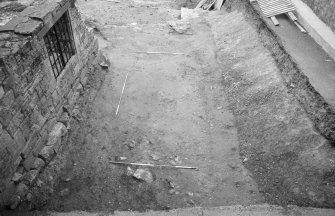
208,4
218,4
201,3
300,27
275,7
292,16
274,20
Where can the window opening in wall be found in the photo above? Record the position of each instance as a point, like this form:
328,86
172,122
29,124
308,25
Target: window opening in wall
59,43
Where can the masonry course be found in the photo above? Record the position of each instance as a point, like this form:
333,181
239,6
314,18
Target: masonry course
35,105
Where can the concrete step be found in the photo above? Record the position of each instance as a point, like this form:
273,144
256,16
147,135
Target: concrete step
237,210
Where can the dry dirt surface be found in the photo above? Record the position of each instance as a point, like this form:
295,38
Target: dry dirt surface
220,106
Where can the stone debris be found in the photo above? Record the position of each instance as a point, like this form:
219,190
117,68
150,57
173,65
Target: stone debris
186,13
145,141
172,191
118,158
154,157
219,108
21,190
171,184
29,197
180,26
176,161
38,164
103,65
17,177
47,152
64,192
14,202
190,193
30,176
132,144
144,174
130,171
39,182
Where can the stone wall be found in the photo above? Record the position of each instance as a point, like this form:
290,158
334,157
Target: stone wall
34,105
324,9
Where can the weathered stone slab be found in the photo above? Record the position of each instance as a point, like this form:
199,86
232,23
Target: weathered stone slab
29,27
30,176
46,153
38,164
17,177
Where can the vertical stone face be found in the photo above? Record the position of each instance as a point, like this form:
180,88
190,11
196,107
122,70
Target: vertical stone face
324,9
31,97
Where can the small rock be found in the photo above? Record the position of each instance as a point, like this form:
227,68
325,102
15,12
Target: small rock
30,176
172,191
68,179
103,65
130,171
144,174
219,108
17,177
311,195
2,92
20,169
145,142
75,112
238,184
29,197
21,190
38,163
170,183
296,191
191,202
245,160
190,194
47,152
180,26
14,202
173,163
39,183
118,158
64,192
131,144
154,157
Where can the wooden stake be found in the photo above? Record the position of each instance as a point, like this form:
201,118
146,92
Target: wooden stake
295,21
274,20
163,53
153,165
201,3
118,106
300,27
218,4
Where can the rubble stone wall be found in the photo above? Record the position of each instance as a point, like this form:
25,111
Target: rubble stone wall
34,105
325,10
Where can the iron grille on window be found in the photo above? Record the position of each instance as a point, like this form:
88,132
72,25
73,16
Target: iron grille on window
59,44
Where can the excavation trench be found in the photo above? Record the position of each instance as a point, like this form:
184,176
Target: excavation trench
223,107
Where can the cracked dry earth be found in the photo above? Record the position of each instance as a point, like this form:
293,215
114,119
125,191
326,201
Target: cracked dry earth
221,106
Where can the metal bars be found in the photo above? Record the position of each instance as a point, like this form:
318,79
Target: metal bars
60,44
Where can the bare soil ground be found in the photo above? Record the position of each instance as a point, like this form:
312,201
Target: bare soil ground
222,107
